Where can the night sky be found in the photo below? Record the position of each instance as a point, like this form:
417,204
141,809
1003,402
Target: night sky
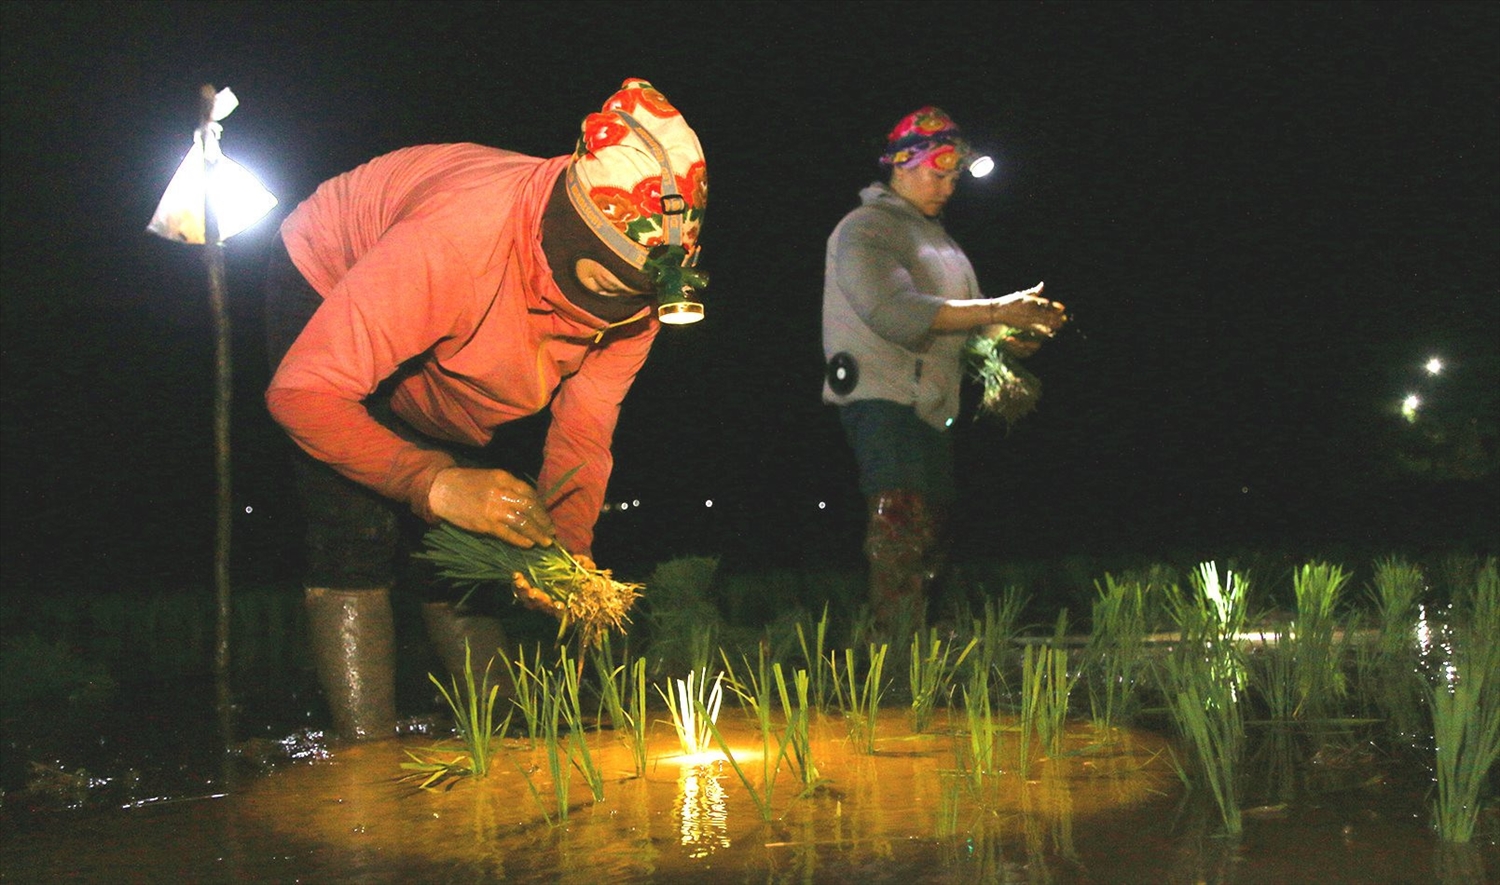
1263,219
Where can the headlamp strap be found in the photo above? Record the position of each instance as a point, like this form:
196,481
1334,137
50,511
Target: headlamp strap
672,203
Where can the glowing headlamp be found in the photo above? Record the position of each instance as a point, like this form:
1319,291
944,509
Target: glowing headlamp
669,267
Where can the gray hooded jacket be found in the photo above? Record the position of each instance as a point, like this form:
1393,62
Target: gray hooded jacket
888,270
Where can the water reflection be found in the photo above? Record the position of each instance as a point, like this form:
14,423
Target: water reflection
702,814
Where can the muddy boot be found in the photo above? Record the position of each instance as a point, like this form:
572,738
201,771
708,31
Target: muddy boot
353,639
898,539
448,626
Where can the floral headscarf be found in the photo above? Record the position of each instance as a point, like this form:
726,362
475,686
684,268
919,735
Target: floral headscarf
638,178
929,136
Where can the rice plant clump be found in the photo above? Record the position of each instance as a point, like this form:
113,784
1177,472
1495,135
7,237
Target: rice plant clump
1008,390
473,708
694,708
1395,594
931,673
1317,657
1116,653
1204,681
1465,703
548,579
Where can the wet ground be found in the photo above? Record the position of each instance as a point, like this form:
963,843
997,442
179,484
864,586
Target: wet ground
1108,809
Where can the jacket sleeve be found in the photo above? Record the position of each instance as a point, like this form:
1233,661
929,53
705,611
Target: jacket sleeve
396,303
870,270
585,411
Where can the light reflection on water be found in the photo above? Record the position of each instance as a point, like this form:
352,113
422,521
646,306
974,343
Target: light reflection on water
702,810
1103,811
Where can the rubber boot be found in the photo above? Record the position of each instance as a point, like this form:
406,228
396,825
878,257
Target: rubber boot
448,626
899,539
353,639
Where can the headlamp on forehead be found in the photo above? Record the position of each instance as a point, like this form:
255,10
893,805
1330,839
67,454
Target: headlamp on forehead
671,271
928,136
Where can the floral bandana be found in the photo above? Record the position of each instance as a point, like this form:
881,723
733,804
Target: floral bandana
638,178
927,136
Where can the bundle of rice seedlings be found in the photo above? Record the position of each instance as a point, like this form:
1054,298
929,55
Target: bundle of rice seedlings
1008,390
548,579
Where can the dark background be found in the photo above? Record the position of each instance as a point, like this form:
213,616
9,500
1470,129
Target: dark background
1262,217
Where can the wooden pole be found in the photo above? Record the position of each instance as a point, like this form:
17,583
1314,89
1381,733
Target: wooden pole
219,304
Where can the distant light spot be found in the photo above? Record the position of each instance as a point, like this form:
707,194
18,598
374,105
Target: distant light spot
1409,407
709,503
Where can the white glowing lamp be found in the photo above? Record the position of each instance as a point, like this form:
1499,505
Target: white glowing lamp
982,166
205,174
1434,366
1409,407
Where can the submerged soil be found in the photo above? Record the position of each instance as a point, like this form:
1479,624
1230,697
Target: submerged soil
1109,808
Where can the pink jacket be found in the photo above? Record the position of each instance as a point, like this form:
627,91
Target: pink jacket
435,252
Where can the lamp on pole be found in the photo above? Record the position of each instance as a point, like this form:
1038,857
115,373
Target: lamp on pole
210,199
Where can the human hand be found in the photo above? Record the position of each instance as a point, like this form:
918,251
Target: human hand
491,502
1020,347
1029,311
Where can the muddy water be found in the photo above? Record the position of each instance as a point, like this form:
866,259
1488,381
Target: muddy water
1102,811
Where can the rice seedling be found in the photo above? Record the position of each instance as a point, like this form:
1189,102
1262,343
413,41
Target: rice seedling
473,708
997,628
1273,675
1204,684
770,765
1046,688
983,731
861,706
636,715
525,676
754,692
931,673
1465,704
1208,715
816,661
1116,652
558,763
1212,619
611,689
798,736
1008,390
1388,666
1394,592
548,579
1317,658
578,746
694,707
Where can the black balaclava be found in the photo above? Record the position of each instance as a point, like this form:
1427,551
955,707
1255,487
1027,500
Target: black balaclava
565,240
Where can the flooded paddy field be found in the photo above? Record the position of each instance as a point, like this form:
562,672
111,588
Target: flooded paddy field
117,768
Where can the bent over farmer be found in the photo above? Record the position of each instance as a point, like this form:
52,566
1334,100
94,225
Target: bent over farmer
435,293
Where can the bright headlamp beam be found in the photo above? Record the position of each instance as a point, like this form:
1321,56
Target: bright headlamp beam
680,313
982,166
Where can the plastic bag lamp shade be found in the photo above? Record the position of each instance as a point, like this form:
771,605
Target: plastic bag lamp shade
238,198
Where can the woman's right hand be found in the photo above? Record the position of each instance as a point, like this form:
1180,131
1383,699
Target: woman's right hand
1027,309
491,502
